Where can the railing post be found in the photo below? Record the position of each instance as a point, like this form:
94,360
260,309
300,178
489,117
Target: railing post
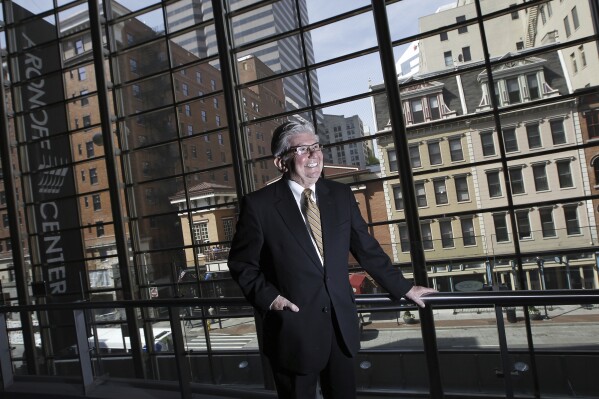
5,364
179,351
85,363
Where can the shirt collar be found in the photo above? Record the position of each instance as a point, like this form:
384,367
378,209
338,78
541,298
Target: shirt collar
297,190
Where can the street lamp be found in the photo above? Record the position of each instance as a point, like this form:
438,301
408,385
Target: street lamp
565,261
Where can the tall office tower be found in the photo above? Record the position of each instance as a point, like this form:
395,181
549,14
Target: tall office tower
337,128
270,20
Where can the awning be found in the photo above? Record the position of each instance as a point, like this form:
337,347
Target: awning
356,281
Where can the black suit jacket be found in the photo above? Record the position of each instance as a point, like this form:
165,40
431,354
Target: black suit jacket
272,254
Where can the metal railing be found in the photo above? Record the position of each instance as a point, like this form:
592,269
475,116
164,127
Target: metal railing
90,381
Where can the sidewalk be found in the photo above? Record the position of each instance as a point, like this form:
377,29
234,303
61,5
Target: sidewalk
563,314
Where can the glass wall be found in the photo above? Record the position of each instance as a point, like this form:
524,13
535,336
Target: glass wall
127,144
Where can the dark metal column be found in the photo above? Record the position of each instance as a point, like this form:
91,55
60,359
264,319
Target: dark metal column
114,184
407,188
18,254
224,42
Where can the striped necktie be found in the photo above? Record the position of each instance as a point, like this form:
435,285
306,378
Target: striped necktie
313,218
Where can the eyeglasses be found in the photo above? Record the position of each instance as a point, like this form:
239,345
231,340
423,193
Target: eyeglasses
304,149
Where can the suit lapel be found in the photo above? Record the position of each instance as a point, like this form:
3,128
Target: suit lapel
290,213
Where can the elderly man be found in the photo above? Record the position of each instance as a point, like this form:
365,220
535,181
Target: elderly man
290,257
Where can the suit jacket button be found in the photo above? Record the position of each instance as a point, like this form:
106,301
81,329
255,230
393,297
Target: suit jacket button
325,309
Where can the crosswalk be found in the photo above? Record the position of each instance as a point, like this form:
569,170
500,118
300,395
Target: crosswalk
221,342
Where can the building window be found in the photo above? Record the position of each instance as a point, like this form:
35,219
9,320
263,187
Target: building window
440,191
466,54
228,229
89,147
150,196
547,226
494,184
564,174
215,102
468,236
575,20
93,176
434,153
87,120
204,117
501,232
420,194
571,216
523,222
217,120
446,234
200,234
455,149
99,229
84,100
133,65
592,118
558,134
510,140
543,15
448,58
404,238
427,235
517,180
533,86
488,144
583,57
398,197
573,62
433,103
461,29
187,110
443,36
414,151
567,26
82,73
533,136
539,173
82,175
513,91
514,13
79,46
97,202
392,154
185,89
136,91
461,188
209,154
417,111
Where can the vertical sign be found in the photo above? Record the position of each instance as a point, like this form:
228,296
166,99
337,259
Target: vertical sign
48,155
